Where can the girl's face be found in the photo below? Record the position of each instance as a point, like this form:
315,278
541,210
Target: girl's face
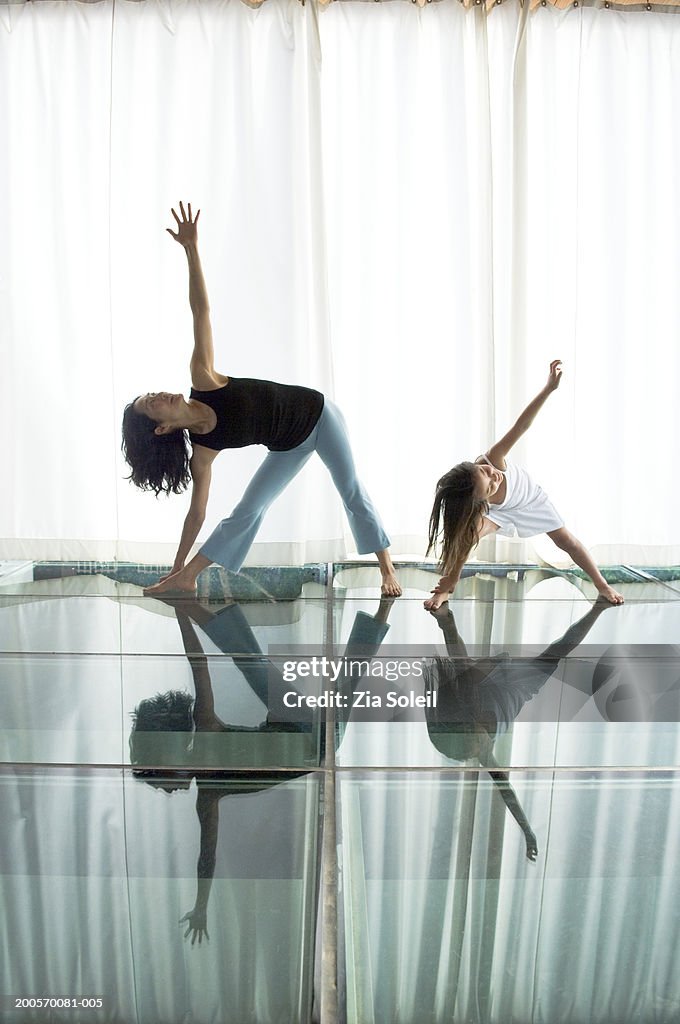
487,481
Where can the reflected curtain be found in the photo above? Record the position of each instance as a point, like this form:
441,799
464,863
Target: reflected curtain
449,922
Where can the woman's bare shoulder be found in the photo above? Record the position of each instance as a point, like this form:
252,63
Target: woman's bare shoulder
207,380
202,459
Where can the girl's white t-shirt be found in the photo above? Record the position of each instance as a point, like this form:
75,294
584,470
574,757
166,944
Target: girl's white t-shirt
526,509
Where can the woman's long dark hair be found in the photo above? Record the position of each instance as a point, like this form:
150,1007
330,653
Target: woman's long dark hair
159,462
457,514
162,730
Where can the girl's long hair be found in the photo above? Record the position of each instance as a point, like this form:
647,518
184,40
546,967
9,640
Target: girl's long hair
456,681
159,462
456,516
462,720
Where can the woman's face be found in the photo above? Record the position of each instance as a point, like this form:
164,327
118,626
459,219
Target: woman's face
487,481
159,406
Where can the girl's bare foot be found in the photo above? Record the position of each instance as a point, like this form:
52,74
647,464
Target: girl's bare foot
609,594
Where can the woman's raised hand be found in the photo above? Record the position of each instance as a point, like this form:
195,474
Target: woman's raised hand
187,232
555,375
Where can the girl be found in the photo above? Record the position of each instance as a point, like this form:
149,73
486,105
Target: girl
477,498
229,412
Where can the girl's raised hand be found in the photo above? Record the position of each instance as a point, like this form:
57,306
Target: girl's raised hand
187,232
555,375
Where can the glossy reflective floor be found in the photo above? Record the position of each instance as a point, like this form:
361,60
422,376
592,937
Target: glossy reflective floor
337,808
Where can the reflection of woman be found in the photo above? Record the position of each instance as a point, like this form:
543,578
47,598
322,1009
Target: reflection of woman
479,698
155,720
169,442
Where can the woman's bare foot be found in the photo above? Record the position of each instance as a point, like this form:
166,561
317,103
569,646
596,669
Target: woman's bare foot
609,594
390,584
178,585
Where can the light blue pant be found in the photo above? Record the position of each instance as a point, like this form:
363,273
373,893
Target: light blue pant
230,542
230,631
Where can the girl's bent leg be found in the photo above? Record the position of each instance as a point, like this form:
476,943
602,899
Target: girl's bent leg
369,534
566,541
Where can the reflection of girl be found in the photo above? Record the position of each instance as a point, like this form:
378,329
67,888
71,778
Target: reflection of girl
477,498
479,698
229,412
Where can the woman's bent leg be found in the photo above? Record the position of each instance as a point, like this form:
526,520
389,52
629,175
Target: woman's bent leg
230,541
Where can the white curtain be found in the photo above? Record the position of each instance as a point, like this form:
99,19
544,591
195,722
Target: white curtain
411,209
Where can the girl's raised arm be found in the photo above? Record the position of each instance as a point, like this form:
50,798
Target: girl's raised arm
500,449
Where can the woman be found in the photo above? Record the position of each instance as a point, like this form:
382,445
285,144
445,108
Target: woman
227,412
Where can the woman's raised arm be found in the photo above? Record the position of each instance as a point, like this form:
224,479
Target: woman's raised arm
203,374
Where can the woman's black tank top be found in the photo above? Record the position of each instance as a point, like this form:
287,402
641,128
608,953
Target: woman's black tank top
280,416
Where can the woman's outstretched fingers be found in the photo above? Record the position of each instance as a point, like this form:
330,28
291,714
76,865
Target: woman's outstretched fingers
186,233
